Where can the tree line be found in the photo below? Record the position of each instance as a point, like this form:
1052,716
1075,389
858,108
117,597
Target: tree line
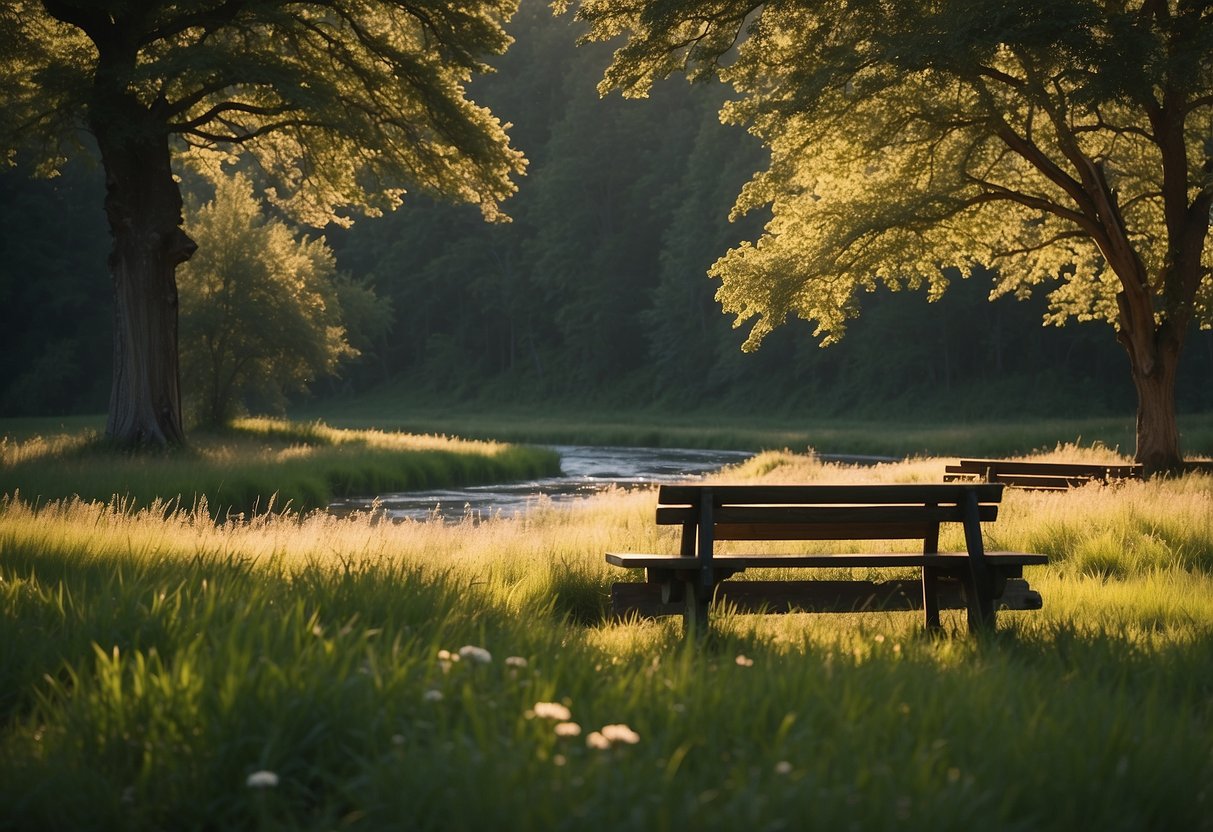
596,291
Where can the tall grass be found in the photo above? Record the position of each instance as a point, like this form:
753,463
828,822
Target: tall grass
154,659
261,463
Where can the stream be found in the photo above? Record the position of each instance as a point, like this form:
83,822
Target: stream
585,471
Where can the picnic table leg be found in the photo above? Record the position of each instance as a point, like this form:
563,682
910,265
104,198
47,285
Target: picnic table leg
930,598
699,589
978,581
930,581
695,614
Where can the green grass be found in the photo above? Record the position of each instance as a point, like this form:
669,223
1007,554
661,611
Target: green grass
259,463
154,660
709,428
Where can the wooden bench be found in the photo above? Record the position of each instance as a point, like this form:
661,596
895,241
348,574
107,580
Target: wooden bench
1050,476
688,582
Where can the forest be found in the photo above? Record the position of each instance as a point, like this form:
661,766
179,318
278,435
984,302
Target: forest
595,292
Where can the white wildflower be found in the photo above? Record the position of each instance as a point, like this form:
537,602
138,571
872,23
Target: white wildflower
597,740
262,780
550,710
744,661
515,661
620,733
475,655
568,729
432,695
783,767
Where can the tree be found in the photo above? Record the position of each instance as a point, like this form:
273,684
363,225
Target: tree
260,311
1067,144
339,104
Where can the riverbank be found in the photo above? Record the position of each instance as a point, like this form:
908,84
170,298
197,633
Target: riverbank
259,465
162,670
565,424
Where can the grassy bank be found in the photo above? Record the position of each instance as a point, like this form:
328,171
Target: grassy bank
164,671
706,428
259,462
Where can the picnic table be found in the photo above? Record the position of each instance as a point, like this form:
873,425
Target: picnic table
1041,476
693,579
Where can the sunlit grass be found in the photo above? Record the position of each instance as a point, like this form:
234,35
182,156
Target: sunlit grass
157,663
260,463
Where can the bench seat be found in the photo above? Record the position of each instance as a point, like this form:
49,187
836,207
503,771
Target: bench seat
736,563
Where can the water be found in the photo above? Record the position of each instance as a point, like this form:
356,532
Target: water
586,471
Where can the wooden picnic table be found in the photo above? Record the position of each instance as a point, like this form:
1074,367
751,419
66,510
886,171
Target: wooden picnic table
1042,476
691,580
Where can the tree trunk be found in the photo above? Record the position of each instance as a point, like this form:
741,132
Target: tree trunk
1157,429
143,205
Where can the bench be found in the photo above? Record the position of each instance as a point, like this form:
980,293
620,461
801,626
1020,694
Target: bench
690,581
1041,476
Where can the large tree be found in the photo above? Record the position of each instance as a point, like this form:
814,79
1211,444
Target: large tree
340,105
1069,144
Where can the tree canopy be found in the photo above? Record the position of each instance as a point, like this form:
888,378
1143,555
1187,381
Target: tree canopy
1069,145
338,105
342,105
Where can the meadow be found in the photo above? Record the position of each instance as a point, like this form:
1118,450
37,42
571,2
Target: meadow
299,671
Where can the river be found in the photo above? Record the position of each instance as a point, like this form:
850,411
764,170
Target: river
584,471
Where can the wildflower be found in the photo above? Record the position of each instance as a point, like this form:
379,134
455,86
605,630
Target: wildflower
475,655
432,695
447,656
559,760
597,740
783,767
568,729
620,733
550,710
744,661
515,661
262,780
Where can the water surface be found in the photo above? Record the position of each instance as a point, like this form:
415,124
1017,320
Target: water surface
585,471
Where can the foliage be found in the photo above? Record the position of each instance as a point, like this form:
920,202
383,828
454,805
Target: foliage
55,344
338,105
341,105
1066,147
156,660
486,313
260,311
